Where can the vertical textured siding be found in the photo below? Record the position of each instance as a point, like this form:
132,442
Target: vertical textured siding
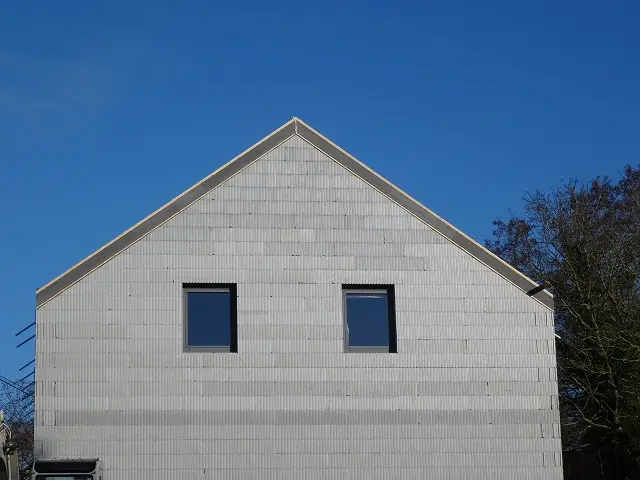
471,394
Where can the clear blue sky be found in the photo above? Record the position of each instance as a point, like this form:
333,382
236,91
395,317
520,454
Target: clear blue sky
109,109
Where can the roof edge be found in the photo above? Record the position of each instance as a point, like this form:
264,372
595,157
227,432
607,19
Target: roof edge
161,215
424,214
253,153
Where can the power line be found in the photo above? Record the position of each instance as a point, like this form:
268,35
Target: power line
25,409
27,364
9,383
22,343
25,328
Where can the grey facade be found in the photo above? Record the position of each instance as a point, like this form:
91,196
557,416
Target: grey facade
471,393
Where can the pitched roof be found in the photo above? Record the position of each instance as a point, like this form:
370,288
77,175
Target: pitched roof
294,126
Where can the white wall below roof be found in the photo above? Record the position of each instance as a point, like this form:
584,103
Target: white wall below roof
472,392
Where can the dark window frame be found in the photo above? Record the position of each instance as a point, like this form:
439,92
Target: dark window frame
233,314
389,290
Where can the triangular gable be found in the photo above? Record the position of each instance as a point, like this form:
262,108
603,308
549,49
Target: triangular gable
292,127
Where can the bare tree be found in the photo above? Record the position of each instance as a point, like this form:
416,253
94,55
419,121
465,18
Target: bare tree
583,242
16,400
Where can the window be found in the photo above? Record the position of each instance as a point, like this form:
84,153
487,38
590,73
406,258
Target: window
66,469
369,314
210,317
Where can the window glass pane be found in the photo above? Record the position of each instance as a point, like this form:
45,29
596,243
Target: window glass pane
209,319
367,319
63,477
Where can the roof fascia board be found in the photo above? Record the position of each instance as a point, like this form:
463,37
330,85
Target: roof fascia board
164,213
424,214
294,126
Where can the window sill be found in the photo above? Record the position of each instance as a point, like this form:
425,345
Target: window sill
368,350
209,349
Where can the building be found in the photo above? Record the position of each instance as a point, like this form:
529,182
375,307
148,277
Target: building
296,316
8,452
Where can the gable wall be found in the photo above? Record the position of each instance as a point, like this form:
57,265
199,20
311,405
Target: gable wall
472,388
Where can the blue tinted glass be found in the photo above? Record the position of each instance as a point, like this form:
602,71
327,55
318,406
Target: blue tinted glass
209,319
368,319
64,477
